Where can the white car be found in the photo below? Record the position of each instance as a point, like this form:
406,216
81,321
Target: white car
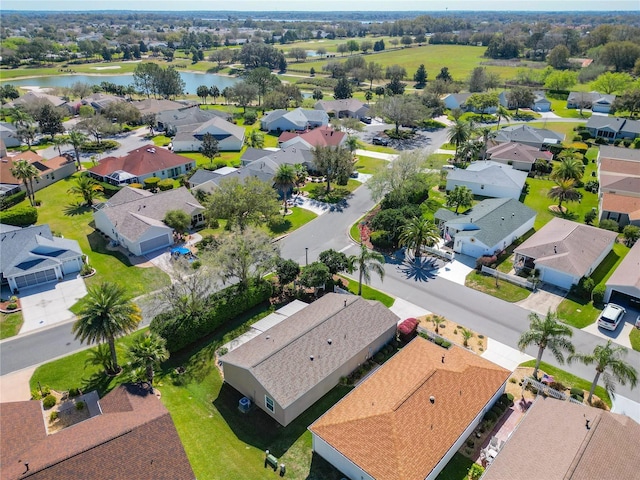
611,316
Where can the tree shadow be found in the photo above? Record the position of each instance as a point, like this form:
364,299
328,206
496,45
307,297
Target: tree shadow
98,244
75,209
280,225
420,269
322,470
101,382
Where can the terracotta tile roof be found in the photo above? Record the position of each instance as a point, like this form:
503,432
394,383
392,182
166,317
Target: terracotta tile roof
612,202
134,437
142,161
552,442
388,425
318,137
6,164
624,167
512,151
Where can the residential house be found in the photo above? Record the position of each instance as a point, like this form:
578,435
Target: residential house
170,121
623,286
540,102
535,137
134,218
619,178
34,97
564,251
33,256
290,366
489,179
189,138
409,418
98,101
346,108
594,101
155,106
9,135
299,119
613,128
49,171
518,155
456,100
130,434
318,137
144,162
293,155
489,227
559,440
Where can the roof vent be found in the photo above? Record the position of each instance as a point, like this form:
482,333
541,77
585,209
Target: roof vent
345,303
311,357
432,399
268,337
329,341
502,218
442,358
555,249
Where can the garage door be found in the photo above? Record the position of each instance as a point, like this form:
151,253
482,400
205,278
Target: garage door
624,300
154,244
36,278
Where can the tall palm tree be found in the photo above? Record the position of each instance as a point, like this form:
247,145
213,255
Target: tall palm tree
569,168
27,173
76,140
418,232
564,191
547,333
20,118
58,142
149,351
352,143
301,173
459,133
284,180
487,134
609,364
87,188
106,313
366,262
254,139
503,114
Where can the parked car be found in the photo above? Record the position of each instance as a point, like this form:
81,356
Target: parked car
366,120
611,316
378,140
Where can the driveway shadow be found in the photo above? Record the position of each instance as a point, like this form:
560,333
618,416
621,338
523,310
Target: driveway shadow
420,269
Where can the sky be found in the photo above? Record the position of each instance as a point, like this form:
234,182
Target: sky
325,5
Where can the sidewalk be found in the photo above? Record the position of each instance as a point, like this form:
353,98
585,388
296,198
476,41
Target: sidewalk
14,387
390,157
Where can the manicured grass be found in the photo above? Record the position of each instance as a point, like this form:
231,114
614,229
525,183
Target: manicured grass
67,216
161,140
10,324
231,159
125,67
354,231
634,337
370,165
456,469
437,160
559,107
283,225
560,127
368,292
318,191
378,148
569,380
504,290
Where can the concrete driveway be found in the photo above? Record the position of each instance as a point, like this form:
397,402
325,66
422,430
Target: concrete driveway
545,298
48,304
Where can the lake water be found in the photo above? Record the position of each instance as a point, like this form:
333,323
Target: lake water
192,80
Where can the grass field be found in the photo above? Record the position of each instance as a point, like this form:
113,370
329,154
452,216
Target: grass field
370,165
368,292
561,127
10,324
497,288
318,191
296,219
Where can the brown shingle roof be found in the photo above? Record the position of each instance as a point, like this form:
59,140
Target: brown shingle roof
6,164
519,152
133,438
552,442
142,161
624,167
627,272
612,202
318,137
388,425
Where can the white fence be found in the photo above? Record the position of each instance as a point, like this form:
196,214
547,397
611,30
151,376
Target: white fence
547,390
439,253
509,278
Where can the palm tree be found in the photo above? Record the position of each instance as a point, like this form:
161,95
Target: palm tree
284,180
352,143
106,313
254,139
367,261
87,188
418,232
610,365
459,133
487,134
20,118
23,170
569,168
466,335
148,351
99,356
548,333
58,142
76,140
564,191
301,173
503,114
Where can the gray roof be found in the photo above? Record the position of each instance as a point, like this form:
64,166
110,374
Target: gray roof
34,248
202,175
280,358
618,153
133,218
627,272
127,194
590,97
489,173
189,116
351,105
222,124
7,127
492,220
567,246
527,134
251,154
299,117
600,121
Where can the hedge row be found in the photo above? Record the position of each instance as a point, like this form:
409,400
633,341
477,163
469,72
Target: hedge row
95,147
19,216
12,200
179,330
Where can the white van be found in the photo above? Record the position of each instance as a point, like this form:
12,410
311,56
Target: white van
611,316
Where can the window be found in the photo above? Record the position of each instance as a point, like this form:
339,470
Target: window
481,187
268,402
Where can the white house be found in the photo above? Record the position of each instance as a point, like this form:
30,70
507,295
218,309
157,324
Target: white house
489,227
299,119
230,137
489,179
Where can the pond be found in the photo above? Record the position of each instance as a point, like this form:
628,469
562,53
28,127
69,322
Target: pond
192,80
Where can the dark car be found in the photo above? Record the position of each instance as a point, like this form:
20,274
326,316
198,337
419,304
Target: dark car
366,120
380,141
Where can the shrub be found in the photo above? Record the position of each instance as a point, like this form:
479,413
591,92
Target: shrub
446,344
608,224
136,185
250,117
12,200
48,402
438,341
379,357
380,239
558,386
599,404
510,397
513,380
12,306
597,295
592,186
21,216
53,416
151,183
432,124
80,406
470,443
95,147
577,391
580,147
486,261
166,184
74,392
578,398
490,416
601,141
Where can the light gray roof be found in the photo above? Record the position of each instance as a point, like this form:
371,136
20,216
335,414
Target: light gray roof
251,154
527,134
128,194
567,246
189,116
133,218
202,175
591,97
492,220
489,173
619,153
351,105
600,122
280,358
628,271
220,123
34,248
299,117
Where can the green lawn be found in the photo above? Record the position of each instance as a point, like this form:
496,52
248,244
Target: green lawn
378,148
161,140
561,127
10,324
634,336
283,225
370,165
318,191
456,469
231,159
68,217
569,380
205,413
368,292
559,107
504,290
437,160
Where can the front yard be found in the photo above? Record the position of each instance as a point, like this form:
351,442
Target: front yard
497,288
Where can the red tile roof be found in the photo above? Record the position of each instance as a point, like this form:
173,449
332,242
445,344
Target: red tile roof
318,137
142,161
6,164
612,202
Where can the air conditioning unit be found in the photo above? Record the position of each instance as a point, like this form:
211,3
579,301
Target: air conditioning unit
244,404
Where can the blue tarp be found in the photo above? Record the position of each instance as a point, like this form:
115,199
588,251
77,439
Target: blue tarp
181,250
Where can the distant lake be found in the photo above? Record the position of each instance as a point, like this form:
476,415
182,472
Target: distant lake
192,80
